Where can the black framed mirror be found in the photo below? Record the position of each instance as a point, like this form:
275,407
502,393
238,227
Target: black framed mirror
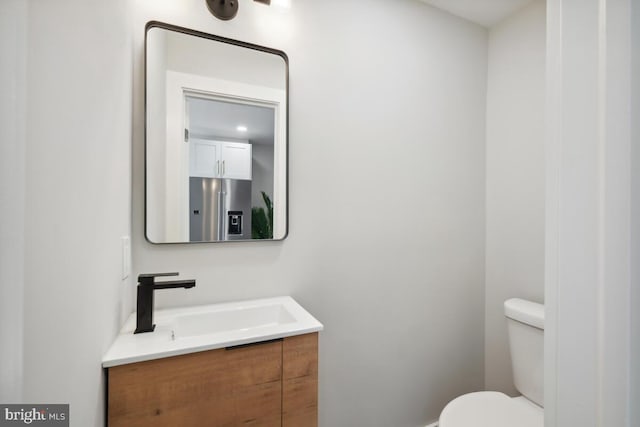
216,138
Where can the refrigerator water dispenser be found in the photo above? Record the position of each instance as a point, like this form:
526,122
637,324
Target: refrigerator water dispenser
235,222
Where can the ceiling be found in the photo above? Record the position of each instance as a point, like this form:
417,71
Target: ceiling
484,12
217,119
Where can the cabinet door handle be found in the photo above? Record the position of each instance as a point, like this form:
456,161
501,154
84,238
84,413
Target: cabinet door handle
223,168
236,347
218,167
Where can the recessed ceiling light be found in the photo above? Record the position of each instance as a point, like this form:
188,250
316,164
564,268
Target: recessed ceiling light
241,128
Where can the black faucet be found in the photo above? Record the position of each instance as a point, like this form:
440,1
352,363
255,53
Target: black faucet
146,286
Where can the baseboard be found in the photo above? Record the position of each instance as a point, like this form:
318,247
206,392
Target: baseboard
432,425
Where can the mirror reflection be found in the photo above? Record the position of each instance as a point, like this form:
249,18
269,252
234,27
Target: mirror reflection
216,138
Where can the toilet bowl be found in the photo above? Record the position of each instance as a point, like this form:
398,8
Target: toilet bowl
525,323
491,409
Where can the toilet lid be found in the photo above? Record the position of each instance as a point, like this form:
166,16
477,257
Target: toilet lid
490,409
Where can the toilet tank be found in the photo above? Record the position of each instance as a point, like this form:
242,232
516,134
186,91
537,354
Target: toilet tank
525,325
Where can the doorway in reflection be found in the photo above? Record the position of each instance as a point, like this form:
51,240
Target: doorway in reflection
231,168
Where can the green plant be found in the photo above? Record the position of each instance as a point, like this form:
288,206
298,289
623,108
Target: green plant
261,220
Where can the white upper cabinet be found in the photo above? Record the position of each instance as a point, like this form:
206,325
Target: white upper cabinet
219,159
204,158
236,160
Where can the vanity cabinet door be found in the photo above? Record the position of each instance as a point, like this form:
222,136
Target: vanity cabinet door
236,387
300,381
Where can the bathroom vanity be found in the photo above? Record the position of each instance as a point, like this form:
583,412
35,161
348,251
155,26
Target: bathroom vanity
245,363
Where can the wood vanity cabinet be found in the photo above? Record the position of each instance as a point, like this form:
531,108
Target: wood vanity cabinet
264,384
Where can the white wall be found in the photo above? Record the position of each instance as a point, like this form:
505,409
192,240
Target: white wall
200,56
157,131
262,170
515,179
635,215
77,193
386,243
13,42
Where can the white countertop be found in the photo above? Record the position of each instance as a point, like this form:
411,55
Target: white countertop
172,338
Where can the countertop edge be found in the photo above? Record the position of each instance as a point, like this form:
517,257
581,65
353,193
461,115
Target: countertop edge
110,363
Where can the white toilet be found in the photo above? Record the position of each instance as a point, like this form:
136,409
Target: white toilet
525,323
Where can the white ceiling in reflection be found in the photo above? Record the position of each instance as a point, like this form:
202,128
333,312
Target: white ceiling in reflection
212,119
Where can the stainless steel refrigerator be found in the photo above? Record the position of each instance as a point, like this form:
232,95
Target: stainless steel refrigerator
219,209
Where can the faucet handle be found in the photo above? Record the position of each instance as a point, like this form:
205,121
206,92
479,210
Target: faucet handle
149,278
147,275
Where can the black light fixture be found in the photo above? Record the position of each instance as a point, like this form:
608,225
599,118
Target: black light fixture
227,9
223,9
